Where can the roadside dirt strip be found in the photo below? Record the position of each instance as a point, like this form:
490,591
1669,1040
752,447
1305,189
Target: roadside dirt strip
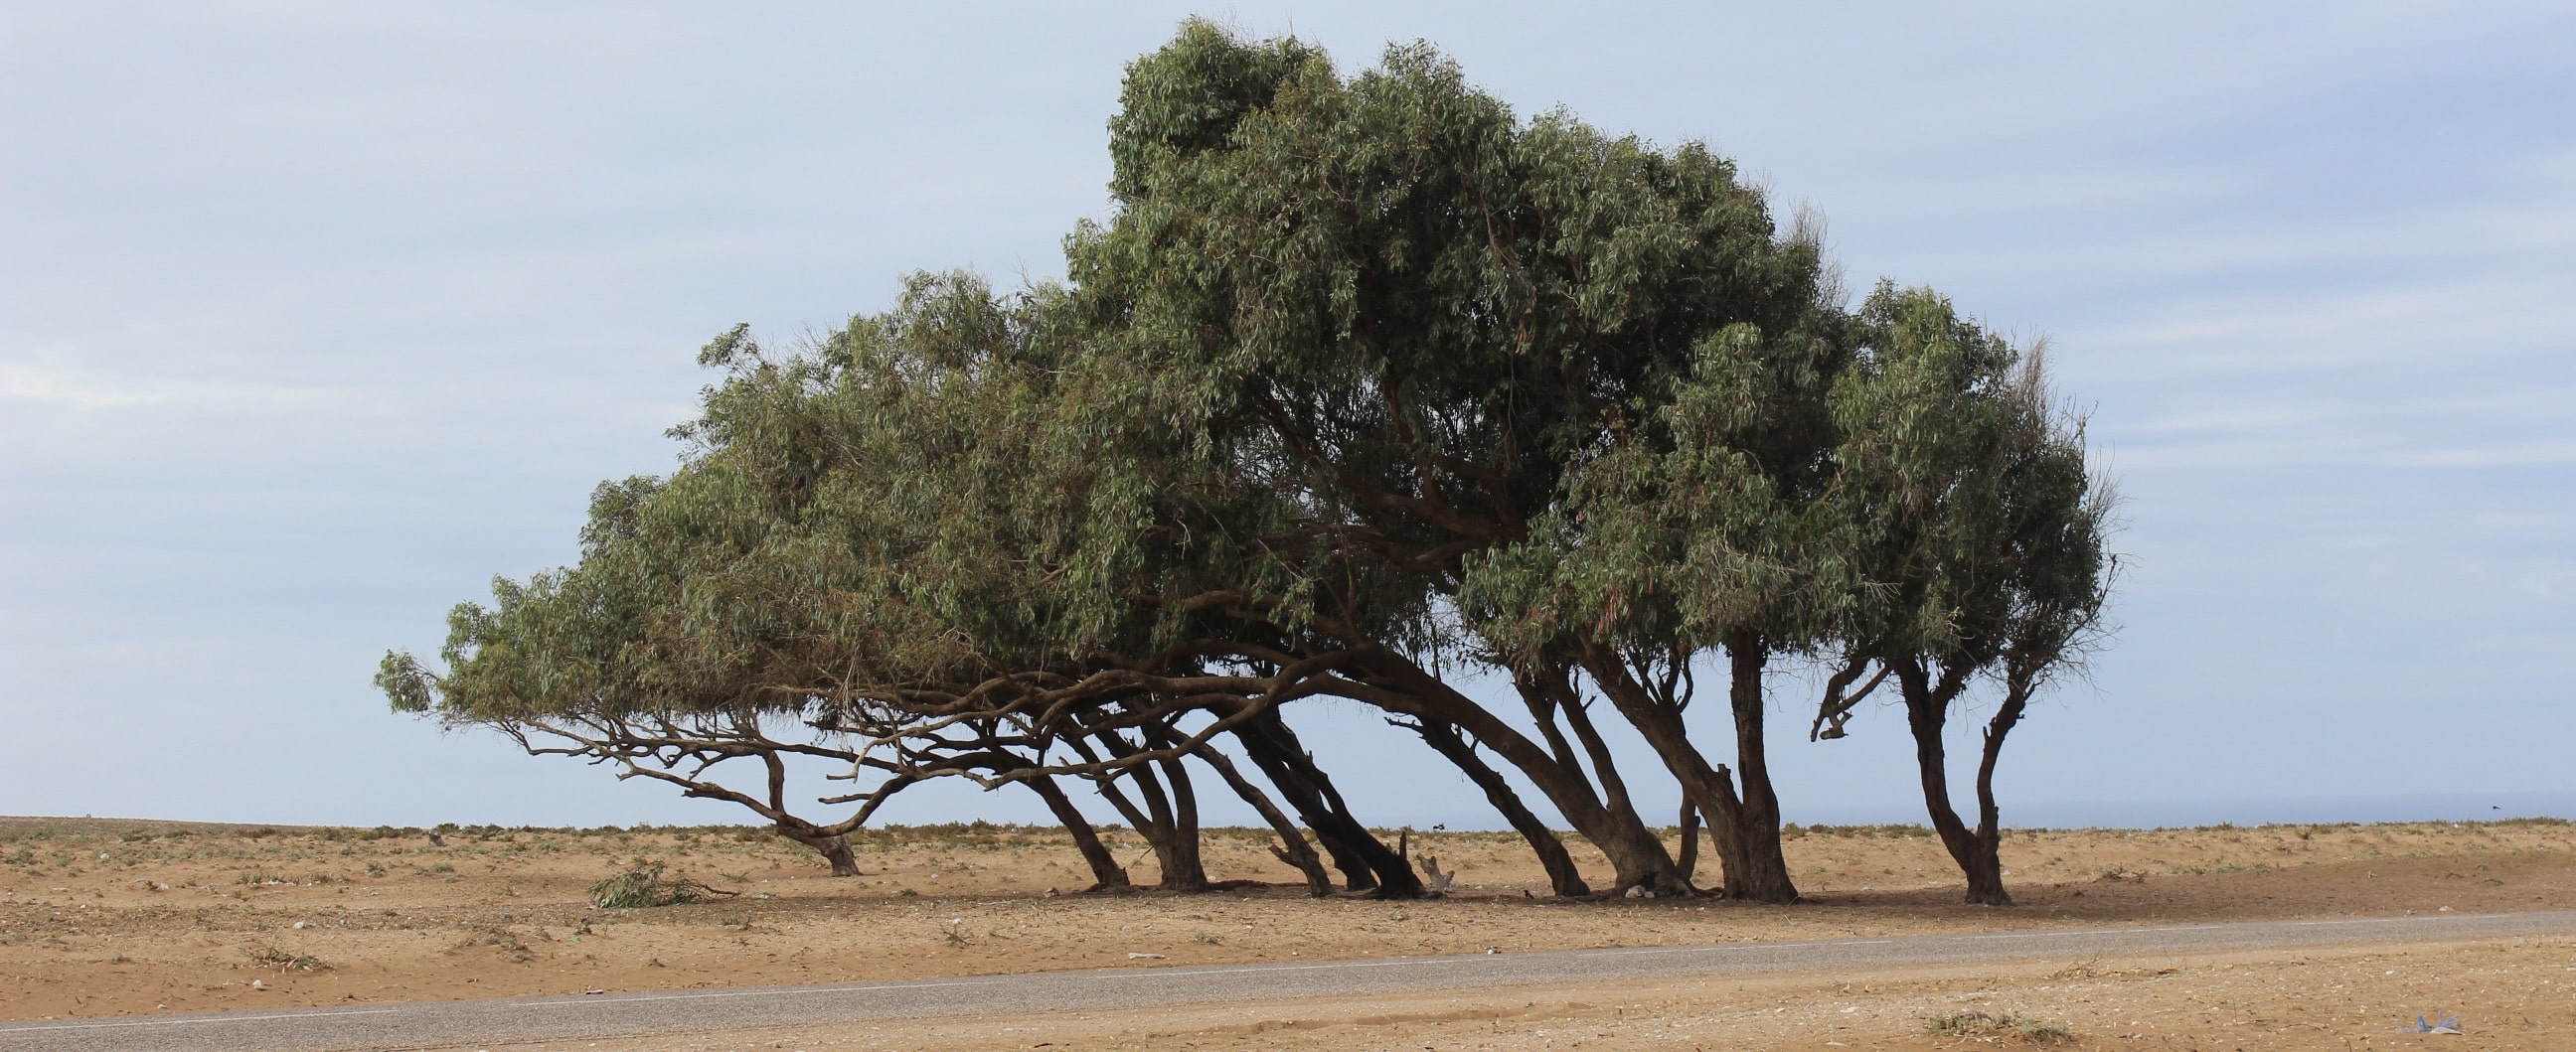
396,1026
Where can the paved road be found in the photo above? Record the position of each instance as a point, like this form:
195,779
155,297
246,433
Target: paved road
620,1015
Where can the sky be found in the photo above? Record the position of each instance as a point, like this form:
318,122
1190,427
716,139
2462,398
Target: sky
316,317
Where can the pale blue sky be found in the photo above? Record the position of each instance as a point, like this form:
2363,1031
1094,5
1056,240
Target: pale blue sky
315,316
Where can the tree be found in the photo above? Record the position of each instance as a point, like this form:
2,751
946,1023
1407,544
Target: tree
1983,537
1364,382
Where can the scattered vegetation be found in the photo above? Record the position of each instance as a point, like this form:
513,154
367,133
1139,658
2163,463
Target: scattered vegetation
645,887
509,945
1980,1026
1890,831
272,957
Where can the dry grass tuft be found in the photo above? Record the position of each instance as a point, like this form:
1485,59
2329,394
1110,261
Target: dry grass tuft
1979,1026
272,957
645,887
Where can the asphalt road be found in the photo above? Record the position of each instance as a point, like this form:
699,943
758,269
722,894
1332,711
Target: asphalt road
394,1026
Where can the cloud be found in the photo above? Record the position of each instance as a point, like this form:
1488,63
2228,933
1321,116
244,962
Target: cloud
67,388
2365,429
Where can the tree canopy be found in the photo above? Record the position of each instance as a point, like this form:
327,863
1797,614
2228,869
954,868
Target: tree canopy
1364,383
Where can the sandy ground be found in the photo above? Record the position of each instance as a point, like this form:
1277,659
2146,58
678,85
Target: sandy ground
105,917
2512,995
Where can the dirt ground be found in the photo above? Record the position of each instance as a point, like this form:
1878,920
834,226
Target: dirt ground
113,917
2518,995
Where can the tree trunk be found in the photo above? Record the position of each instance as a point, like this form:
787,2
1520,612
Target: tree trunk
1979,851
1635,853
1614,792
1688,862
1292,848
834,849
1745,830
845,863
1106,873
1176,818
1365,861
1756,828
1176,854
1988,878
1562,877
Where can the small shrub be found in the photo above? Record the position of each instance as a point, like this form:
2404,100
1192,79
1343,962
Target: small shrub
1979,1025
507,942
645,887
272,957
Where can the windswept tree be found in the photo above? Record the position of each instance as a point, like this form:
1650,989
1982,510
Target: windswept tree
1363,384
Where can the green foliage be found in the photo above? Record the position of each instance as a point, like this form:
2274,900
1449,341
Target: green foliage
1980,527
1361,369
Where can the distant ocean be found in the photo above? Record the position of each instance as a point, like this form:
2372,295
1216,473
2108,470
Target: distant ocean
2153,814
2130,814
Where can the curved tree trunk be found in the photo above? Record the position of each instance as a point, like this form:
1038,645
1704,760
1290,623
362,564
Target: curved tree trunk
1667,877
1365,861
1687,860
1401,687
1106,873
1562,877
1745,830
1292,847
1977,851
1274,748
1635,853
1176,823
1174,843
835,849
1988,878
1354,849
